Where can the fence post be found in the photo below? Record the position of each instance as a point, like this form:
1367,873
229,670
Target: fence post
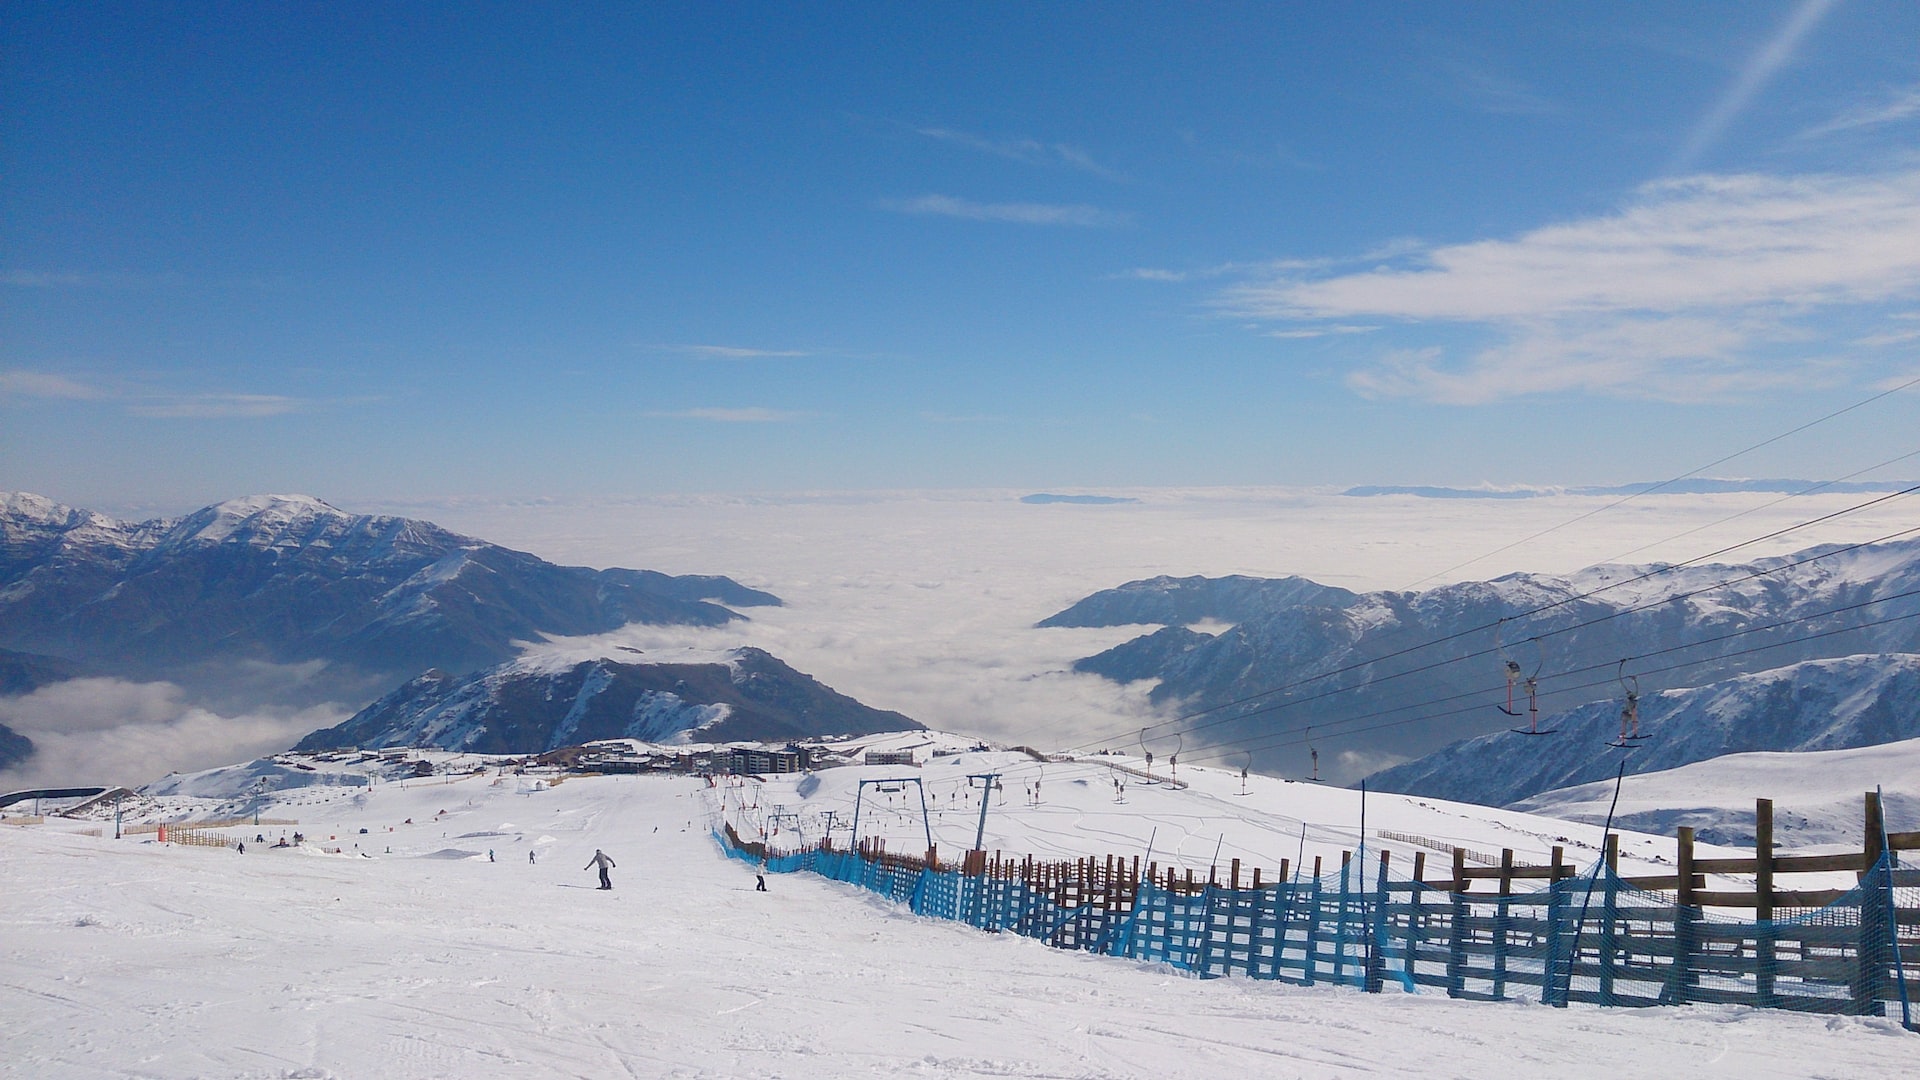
1501,915
1457,948
1763,930
1340,929
1314,897
1609,915
1377,933
1875,829
1553,993
1877,929
1685,914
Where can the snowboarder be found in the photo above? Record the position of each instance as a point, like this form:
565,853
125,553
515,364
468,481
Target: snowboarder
600,860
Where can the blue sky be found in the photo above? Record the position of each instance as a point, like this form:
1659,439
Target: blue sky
392,251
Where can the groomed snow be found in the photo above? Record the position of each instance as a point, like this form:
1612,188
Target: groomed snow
128,958
1816,794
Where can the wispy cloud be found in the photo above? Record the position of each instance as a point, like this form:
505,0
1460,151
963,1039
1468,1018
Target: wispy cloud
747,415
1753,77
1336,330
217,407
1150,273
1891,107
206,406
1498,94
1677,292
1016,213
734,352
42,384
961,418
1029,151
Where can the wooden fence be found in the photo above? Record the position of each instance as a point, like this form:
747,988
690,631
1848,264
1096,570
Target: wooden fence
1569,936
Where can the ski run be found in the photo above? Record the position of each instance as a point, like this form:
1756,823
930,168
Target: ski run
449,926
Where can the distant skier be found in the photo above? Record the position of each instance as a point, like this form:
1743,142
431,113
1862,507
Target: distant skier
530,859
759,883
600,860
489,853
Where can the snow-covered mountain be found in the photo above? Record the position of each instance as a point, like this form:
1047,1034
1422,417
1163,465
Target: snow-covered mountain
288,578
1404,669
541,703
1855,701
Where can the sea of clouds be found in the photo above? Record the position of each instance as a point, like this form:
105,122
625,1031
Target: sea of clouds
925,602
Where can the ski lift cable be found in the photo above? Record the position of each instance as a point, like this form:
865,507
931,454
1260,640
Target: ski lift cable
1258,742
1808,490
1443,663
1650,489
1548,607
1275,740
1661,570
1435,665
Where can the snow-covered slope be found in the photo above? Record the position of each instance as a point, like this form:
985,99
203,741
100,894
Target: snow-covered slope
1817,795
1818,705
411,953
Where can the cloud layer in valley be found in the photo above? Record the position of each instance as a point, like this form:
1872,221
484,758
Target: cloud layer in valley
111,731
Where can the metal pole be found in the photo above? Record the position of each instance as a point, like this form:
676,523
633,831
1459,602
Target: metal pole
980,833
925,822
858,793
1580,924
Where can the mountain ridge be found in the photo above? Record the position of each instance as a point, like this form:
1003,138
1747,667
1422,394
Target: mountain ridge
1329,662
288,579
536,703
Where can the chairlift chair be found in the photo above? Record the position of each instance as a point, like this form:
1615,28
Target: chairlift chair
1630,736
1530,683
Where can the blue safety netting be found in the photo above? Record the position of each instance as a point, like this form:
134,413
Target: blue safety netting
1591,938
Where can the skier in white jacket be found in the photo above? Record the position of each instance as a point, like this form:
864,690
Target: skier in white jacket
600,860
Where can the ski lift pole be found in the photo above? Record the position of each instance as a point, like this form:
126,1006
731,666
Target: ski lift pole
986,796
859,792
1560,999
926,822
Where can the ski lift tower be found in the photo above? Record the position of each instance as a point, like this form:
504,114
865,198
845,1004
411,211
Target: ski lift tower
986,796
892,784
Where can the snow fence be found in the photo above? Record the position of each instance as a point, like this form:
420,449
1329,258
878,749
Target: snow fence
1592,938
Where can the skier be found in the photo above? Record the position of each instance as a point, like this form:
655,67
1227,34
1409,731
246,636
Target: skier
600,860
759,883
530,859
